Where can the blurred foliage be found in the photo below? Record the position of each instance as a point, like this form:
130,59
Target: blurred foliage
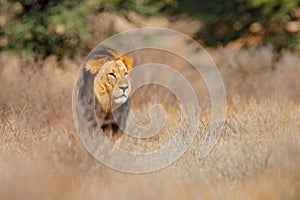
231,19
227,20
146,7
43,27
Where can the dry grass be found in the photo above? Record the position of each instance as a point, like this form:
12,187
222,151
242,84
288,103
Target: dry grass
260,73
257,155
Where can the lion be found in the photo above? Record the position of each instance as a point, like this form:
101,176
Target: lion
111,85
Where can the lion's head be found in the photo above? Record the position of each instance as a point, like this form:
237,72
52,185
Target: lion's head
111,84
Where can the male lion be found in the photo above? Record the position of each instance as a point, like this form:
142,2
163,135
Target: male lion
111,85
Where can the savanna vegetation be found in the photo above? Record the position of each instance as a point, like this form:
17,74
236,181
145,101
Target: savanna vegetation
40,28
255,45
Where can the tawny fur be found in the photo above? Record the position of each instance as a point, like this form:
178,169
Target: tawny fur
110,74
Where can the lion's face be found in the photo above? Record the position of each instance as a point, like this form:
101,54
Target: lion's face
116,79
112,84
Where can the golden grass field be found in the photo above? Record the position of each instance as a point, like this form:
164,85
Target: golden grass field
256,157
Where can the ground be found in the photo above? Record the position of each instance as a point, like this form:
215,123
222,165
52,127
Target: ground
256,156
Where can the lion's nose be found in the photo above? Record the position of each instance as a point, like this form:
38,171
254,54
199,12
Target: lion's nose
123,88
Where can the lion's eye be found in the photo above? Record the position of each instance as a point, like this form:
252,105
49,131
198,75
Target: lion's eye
112,75
125,74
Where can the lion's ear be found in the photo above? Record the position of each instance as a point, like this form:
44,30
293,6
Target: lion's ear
127,61
94,65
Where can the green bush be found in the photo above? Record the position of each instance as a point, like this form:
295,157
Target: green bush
39,27
226,20
146,7
230,19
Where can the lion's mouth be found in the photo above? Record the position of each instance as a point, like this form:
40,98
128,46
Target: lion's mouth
120,99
